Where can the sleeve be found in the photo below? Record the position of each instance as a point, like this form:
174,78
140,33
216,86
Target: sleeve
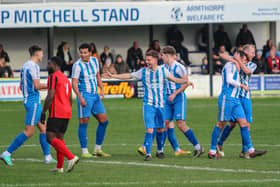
96,64
252,67
137,74
230,68
76,71
52,82
35,72
180,70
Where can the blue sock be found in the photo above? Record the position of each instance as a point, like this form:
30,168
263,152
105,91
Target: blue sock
191,137
172,139
226,132
45,146
215,135
82,133
246,138
17,142
100,132
148,142
160,143
164,137
154,133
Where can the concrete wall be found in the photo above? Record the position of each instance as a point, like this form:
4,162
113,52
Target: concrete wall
17,41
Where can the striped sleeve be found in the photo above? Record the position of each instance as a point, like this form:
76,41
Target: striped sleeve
252,67
137,74
35,72
96,64
76,71
52,82
181,70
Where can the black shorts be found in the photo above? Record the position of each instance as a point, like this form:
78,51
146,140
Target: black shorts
57,125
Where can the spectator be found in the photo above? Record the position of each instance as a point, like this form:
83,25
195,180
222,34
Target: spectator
120,65
156,47
203,38
108,67
221,38
261,65
4,54
5,71
174,36
183,55
94,53
64,53
204,66
106,54
245,36
273,61
141,64
134,55
266,48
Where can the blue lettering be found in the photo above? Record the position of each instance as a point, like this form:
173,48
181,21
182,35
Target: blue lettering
20,16
124,14
4,15
83,16
57,16
74,16
95,15
45,17
113,15
134,13
104,14
30,16
67,16
37,12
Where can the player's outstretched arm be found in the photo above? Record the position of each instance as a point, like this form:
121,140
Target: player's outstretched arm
38,85
183,80
120,76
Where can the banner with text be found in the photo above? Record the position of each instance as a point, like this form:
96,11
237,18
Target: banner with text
136,13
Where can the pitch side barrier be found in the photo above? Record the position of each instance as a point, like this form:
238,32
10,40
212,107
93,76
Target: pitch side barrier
260,85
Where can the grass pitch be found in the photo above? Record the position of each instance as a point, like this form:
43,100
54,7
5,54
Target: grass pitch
126,168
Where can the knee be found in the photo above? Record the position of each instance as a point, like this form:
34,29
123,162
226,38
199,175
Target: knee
150,130
29,133
221,125
84,120
160,130
102,119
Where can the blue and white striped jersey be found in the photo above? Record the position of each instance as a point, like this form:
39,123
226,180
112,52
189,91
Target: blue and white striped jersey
153,83
30,71
178,71
231,80
245,79
86,73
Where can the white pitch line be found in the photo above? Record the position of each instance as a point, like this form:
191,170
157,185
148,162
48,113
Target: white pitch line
136,183
125,144
189,168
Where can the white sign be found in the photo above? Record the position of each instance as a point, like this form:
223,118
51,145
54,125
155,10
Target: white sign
136,13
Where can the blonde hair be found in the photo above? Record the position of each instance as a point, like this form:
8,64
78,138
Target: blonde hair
247,46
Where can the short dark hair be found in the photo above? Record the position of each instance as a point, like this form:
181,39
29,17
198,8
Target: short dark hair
85,46
169,50
152,53
33,49
57,60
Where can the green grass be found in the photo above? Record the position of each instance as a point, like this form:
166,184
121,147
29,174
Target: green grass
126,168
